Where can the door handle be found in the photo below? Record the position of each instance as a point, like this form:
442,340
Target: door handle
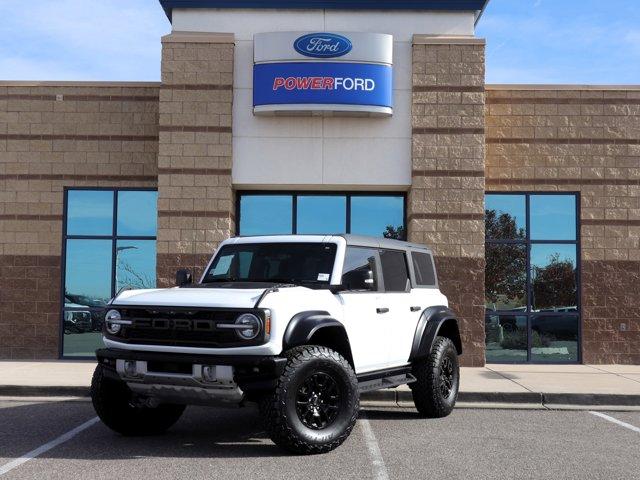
382,310
415,309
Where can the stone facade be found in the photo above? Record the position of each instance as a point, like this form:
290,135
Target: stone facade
446,200
195,198
581,140
56,135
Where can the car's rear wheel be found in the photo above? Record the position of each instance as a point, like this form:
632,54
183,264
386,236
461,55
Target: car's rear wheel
120,411
315,404
437,380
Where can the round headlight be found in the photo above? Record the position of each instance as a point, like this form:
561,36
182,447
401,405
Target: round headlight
253,326
113,328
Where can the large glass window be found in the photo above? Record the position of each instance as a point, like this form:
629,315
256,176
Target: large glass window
379,215
531,277
109,244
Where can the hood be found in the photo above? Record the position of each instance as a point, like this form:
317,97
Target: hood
191,297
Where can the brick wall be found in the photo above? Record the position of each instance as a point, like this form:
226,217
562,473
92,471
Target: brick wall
195,202
581,140
446,200
54,135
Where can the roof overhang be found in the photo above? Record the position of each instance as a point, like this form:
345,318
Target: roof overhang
476,6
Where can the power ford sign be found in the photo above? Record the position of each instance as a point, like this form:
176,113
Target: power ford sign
323,72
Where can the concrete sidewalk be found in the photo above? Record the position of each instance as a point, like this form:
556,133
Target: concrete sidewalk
517,385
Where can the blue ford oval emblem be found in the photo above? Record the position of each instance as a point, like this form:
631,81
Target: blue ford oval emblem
322,45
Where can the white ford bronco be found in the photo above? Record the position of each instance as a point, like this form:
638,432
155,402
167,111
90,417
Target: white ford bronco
300,324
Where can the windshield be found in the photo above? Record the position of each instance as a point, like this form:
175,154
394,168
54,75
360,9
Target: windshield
298,263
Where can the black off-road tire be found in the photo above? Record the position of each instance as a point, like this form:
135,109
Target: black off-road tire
429,389
113,402
279,408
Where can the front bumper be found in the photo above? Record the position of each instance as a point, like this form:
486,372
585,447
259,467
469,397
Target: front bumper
179,378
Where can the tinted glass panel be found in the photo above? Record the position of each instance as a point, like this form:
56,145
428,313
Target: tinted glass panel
423,268
135,264
378,216
266,214
89,212
506,337
88,273
553,217
506,277
505,216
137,213
359,271
306,263
554,338
553,274
394,271
322,214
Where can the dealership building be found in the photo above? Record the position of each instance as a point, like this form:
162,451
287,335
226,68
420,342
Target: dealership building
294,116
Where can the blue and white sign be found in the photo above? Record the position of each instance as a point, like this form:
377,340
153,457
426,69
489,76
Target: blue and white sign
322,45
323,72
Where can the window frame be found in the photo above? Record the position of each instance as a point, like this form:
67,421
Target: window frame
324,193
114,237
528,242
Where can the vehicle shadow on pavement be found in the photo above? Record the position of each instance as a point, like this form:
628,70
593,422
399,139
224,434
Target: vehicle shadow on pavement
373,413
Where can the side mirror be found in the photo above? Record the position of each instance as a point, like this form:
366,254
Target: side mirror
183,277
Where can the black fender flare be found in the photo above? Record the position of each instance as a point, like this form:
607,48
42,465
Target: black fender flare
430,324
304,325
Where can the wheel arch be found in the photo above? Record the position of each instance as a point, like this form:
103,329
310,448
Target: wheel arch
317,327
435,321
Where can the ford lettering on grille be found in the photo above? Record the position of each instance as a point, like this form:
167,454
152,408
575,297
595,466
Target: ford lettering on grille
322,45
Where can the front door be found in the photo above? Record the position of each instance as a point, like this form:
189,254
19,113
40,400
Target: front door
364,312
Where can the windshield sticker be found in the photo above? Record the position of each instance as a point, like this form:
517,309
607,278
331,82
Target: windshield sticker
323,277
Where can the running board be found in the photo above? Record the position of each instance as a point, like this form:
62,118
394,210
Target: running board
386,382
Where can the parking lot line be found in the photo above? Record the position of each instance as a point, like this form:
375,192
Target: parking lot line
616,421
7,467
379,468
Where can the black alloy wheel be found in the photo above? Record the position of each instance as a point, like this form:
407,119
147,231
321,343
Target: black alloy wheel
446,377
318,401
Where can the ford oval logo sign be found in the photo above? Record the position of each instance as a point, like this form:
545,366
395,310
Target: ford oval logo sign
322,45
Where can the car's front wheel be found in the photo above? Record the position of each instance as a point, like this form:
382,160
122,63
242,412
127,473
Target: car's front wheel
437,380
118,409
315,404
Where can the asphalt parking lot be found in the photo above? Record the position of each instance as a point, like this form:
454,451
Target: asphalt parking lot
222,443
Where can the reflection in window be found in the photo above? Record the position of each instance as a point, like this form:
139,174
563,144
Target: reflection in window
99,261
359,270
380,215
505,216
553,217
554,338
531,257
322,214
506,337
553,274
505,276
89,212
88,272
137,213
135,264
266,214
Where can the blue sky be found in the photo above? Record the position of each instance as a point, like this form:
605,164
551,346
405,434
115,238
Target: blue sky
528,41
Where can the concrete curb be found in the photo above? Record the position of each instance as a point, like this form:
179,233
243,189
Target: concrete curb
390,398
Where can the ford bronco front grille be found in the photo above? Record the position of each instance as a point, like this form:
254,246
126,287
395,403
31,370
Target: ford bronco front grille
183,327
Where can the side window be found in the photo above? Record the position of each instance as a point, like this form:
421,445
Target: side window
423,268
394,271
359,272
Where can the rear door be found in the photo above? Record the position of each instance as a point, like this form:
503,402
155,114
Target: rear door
399,322
364,317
